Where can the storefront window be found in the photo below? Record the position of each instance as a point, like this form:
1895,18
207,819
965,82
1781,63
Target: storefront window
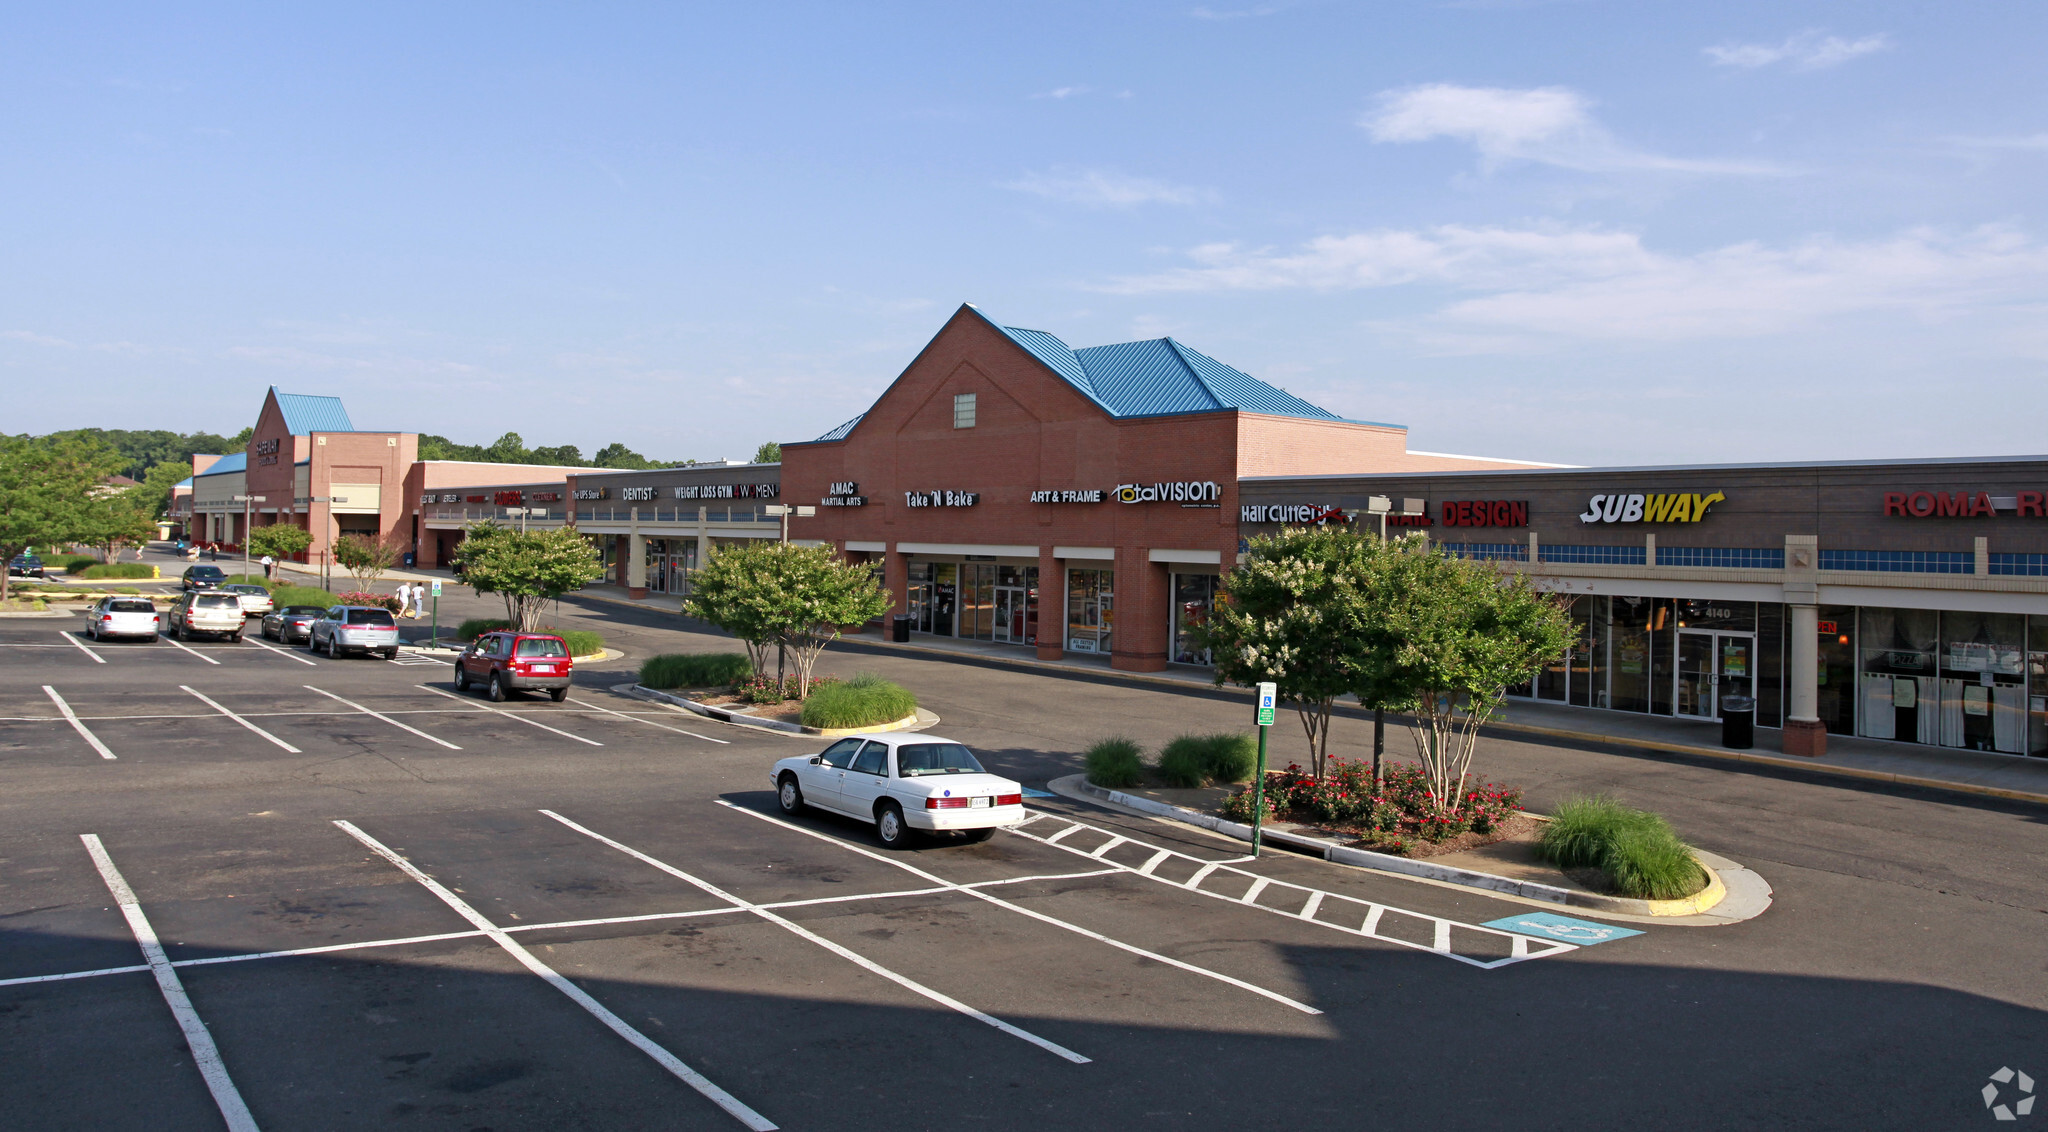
2037,686
1770,665
1837,676
1900,699
933,592
1090,610
1628,681
1193,596
1983,692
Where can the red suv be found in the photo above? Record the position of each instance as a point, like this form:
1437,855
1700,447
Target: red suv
515,662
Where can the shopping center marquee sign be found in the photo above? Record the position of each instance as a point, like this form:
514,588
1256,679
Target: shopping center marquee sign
1680,508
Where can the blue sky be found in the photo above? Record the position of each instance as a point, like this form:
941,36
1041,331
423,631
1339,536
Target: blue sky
1585,232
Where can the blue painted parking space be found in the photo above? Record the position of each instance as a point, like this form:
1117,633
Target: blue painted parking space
1549,925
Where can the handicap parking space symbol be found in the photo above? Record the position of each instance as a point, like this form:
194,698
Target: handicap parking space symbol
1546,925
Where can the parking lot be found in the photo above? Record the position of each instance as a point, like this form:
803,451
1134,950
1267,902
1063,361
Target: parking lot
250,886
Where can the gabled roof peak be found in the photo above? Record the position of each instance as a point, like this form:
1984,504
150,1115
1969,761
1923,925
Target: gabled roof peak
306,413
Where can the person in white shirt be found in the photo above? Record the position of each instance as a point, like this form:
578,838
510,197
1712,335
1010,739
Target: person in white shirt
404,600
268,564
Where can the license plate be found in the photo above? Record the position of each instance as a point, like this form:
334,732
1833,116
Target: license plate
548,668
978,804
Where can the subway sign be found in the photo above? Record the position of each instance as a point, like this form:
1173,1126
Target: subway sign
1679,508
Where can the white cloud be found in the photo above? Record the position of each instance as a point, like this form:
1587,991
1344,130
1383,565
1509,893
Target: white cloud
1062,93
1105,189
1806,51
1511,289
1548,125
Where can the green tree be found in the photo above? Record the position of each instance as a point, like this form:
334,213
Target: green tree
279,540
112,520
366,558
1458,632
47,487
159,483
769,453
794,599
1295,613
508,449
528,569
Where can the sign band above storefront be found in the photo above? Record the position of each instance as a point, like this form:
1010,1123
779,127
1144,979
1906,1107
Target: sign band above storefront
1680,508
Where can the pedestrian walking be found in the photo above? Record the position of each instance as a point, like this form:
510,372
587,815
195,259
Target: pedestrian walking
268,564
419,599
404,600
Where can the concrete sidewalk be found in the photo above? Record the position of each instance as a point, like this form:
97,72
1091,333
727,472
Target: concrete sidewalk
1972,772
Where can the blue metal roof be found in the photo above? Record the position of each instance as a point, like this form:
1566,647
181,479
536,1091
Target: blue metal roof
840,432
233,462
1158,377
304,413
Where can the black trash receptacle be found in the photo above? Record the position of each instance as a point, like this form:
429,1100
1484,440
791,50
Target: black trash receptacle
1738,722
899,628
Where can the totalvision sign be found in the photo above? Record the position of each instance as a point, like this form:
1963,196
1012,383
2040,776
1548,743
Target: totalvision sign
1187,492
1679,508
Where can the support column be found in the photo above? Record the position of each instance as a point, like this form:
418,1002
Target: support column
703,540
895,579
1052,605
1138,639
1804,733
636,559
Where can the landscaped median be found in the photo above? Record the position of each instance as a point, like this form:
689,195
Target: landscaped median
724,686
1593,853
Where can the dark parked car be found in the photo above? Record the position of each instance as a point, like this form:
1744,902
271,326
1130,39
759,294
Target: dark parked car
515,662
201,578
292,624
26,565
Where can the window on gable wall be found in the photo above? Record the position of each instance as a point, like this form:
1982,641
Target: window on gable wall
963,410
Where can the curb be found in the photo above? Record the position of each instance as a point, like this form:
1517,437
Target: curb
41,613
921,719
1695,905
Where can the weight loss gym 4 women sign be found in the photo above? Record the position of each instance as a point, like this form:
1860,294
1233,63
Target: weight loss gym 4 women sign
1680,508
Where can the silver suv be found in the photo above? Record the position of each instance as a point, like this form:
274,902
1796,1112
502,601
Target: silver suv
354,628
207,611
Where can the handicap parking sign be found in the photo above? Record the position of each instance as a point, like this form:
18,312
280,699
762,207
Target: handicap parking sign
1564,929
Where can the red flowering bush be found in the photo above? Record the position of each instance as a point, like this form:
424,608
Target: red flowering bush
763,689
1403,807
359,597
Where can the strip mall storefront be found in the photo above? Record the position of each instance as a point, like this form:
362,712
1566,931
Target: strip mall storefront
1903,601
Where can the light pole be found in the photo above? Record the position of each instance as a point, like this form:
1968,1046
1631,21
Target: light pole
785,511
245,501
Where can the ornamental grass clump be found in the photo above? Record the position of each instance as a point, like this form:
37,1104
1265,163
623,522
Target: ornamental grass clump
1197,760
864,701
1116,763
1637,850
695,670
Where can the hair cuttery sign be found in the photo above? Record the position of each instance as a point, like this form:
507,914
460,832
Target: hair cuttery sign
1679,508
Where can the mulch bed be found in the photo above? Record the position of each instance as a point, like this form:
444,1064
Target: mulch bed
788,711
1518,827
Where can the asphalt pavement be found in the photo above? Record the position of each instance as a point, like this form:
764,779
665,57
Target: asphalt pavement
383,904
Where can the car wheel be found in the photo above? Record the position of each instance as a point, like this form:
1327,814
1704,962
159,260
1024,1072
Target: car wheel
789,794
390,654
333,649
497,689
461,677
235,638
558,694
977,836
890,826
152,638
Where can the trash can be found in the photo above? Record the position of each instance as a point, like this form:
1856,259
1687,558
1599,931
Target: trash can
899,628
1738,722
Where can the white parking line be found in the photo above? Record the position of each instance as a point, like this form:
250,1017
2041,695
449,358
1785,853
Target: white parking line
650,723
204,1054
175,643
283,652
71,717
616,1024
514,715
1077,929
238,719
382,716
847,954
66,634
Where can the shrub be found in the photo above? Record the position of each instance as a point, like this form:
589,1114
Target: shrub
581,642
864,701
1636,849
246,580
126,590
1196,760
364,597
477,626
1116,762
1403,807
695,670
117,570
71,563
300,595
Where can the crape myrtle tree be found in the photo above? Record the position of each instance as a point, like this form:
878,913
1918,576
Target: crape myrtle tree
1298,612
365,557
279,540
791,598
48,491
528,569
1460,632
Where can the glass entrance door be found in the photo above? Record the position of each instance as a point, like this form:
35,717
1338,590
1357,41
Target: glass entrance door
1010,605
1712,666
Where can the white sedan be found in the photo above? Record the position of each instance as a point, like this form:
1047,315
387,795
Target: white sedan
901,783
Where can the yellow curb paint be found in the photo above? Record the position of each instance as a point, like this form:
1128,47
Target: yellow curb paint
1698,902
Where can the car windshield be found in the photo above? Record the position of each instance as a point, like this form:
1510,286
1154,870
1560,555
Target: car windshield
217,601
251,590
131,605
205,573
370,617
302,611
542,646
914,759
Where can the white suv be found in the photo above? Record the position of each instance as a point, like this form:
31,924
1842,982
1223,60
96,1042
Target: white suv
354,628
207,611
